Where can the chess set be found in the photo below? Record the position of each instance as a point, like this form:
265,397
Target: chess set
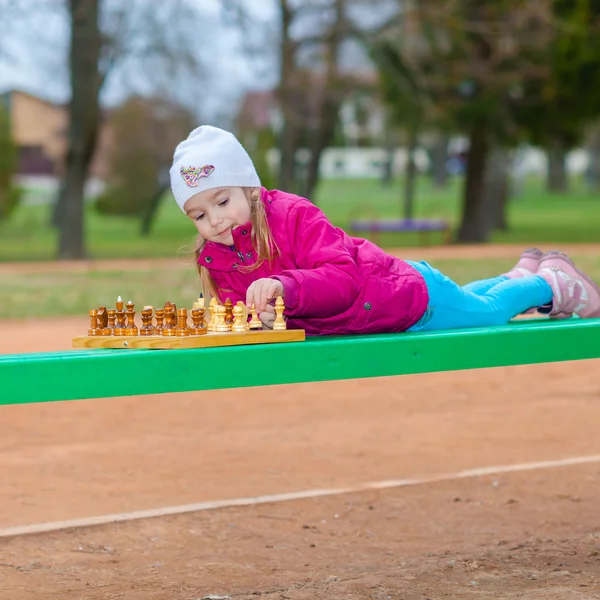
169,327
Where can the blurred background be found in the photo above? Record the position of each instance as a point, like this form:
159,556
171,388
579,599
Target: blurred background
430,123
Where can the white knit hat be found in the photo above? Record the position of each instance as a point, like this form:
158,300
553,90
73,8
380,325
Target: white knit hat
210,158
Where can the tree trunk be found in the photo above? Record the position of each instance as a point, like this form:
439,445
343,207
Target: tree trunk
592,173
496,187
83,125
410,175
288,143
439,155
557,171
475,223
387,175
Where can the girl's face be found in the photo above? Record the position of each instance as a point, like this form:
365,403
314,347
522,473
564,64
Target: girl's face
217,211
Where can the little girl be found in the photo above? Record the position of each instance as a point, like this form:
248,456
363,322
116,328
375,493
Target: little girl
255,245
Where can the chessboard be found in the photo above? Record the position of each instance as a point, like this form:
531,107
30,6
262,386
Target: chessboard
169,328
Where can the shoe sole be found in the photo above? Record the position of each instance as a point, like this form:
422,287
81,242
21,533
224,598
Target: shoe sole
582,275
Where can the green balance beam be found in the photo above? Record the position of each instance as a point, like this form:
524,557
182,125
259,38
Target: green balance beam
79,374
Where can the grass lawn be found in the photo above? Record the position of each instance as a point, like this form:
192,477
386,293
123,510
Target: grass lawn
535,217
63,294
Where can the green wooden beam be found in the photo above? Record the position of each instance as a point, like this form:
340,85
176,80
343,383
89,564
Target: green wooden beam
79,374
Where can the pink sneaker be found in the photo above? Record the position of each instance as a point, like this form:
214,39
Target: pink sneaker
527,265
574,292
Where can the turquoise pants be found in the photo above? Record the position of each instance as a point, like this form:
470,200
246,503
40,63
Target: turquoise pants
481,303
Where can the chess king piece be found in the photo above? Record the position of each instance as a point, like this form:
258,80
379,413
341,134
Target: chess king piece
279,322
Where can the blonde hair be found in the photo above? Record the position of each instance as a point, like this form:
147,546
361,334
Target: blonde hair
262,241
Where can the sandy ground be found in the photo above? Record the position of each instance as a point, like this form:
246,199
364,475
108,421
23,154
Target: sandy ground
532,534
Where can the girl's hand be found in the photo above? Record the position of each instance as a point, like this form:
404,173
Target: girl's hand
261,292
267,317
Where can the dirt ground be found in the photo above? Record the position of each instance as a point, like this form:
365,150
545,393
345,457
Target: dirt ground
533,533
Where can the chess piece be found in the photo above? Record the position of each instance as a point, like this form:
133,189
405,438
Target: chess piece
279,322
254,322
238,324
229,313
169,328
182,328
147,328
212,315
131,328
198,325
244,315
93,328
120,325
221,326
112,319
160,317
102,321
200,305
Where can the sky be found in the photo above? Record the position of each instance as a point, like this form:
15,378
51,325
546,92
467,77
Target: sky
34,37
34,46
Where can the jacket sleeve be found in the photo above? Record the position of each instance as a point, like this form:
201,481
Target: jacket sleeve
326,281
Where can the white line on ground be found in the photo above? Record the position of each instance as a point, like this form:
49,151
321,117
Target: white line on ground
215,504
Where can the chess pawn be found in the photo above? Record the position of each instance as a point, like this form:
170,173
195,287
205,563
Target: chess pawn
238,324
112,318
221,326
160,317
279,322
198,326
182,326
93,328
254,322
131,328
147,328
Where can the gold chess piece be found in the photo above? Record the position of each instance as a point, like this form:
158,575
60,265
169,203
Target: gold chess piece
221,326
279,322
254,322
238,324
211,321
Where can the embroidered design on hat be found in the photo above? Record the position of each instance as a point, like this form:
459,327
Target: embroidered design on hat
193,175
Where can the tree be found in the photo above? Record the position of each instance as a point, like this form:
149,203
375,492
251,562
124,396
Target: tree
555,111
143,133
84,116
158,37
9,193
467,60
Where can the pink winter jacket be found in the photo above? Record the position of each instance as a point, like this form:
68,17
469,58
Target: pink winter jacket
333,283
